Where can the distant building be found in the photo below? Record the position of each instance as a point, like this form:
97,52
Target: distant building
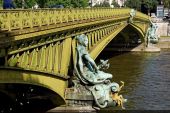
160,11
95,2
121,2
160,2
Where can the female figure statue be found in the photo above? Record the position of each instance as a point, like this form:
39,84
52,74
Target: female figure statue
87,67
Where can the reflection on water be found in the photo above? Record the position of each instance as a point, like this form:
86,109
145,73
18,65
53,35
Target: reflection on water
146,77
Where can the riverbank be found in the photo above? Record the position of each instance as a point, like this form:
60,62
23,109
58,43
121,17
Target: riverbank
146,77
164,43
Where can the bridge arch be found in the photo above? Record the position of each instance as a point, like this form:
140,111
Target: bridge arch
36,80
132,29
138,30
124,30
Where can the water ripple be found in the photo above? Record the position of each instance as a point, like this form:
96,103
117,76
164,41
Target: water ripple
147,79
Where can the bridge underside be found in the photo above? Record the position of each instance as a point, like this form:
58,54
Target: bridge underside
27,98
125,38
26,90
129,39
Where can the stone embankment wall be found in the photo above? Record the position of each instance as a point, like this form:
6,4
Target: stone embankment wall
164,43
163,29
164,32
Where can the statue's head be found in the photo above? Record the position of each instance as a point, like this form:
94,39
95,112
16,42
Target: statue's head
82,39
154,25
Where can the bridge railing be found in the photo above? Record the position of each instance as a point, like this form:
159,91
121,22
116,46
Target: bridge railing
142,16
28,18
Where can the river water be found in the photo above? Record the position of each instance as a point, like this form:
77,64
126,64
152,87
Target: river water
146,77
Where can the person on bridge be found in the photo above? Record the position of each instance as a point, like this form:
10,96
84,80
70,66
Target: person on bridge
8,4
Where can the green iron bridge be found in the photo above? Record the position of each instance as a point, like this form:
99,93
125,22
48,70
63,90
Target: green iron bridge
37,48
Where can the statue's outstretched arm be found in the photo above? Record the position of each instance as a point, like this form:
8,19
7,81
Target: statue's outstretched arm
91,61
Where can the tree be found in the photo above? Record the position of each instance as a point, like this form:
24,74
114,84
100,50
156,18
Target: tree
68,4
75,3
30,3
18,3
151,4
84,3
0,3
24,3
166,3
42,3
115,4
49,3
133,4
79,3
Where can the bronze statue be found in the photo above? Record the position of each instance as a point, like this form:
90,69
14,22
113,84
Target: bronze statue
151,36
132,14
104,92
87,66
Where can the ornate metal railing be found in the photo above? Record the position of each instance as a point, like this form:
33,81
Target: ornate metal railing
28,18
142,16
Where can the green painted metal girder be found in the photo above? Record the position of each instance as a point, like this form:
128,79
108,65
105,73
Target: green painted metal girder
139,30
21,36
53,83
95,51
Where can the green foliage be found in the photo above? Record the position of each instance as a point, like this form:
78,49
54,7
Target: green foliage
167,3
84,3
133,4
48,3
115,4
30,3
137,3
18,3
0,3
68,3
79,3
42,3
151,3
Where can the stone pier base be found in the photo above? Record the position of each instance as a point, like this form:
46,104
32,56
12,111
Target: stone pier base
152,48
139,48
72,109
